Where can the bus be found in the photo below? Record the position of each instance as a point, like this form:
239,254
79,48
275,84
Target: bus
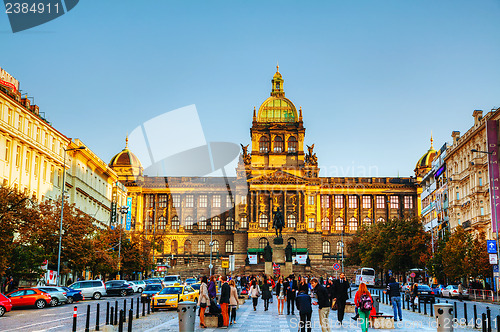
366,275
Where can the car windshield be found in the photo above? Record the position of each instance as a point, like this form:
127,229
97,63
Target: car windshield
424,288
196,286
171,290
453,286
155,288
172,278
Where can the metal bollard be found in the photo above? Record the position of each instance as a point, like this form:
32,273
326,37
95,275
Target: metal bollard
455,309
107,313
132,304
125,310
403,303
143,308
439,301
87,319
111,321
149,307
497,322
75,313
432,311
120,322
98,313
116,312
425,307
418,302
130,316
475,317
488,318
137,310
465,313
483,322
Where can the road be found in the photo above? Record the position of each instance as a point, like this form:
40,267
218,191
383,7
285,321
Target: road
60,318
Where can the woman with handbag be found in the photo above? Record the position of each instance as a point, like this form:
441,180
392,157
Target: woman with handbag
203,300
280,294
254,294
233,301
266,292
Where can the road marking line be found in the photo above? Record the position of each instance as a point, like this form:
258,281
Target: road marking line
48,322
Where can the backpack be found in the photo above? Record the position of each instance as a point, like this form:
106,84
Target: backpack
365,303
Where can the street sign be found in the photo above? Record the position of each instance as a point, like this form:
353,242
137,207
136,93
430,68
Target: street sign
492,246
225,264
495,268
336,266
412,275
493,259
210,266
390,273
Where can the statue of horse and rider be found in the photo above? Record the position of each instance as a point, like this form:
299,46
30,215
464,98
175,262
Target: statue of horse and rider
278,222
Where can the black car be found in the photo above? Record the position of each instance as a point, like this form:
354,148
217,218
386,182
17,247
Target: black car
118,287
425,294
73,295
149,291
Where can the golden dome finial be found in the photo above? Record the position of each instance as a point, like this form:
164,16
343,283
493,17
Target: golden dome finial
277,66
432,140
126,142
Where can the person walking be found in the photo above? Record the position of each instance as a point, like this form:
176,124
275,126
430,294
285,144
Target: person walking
340,295
212,289
280,295
305,310
414,295
323,304
233,301
304,285
291,290
225,293
460,291
203,300
394,291
364,302
329,287
254,293
266,292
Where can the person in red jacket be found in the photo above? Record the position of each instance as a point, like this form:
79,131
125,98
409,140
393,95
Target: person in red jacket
362,296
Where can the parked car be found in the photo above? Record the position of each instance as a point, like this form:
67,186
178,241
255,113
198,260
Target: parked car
437,288
190,281
119,287
58,294
424,293
149,291
5,304
452,291
171,280
170,296
153,281
90,288
196,286
73,295
29,297
138,285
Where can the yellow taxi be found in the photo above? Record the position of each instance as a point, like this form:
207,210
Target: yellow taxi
170,296
196,286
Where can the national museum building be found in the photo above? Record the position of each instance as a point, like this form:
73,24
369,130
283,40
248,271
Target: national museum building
320,213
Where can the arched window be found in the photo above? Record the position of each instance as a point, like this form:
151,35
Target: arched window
278,144
161,246
229,224
216,223
162,221
367,221
201,247
293,242
339,224
264,144
325,224
175,222
174,247
215,246
263,220
202,224
262,242
340,245
292,144
353,224
229,246
187,247
326,247
291,221
189,223
380,219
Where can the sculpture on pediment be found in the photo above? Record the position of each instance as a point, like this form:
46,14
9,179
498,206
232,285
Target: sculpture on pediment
310,158
246,155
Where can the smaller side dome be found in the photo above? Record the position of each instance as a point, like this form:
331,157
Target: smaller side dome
126,165
424,164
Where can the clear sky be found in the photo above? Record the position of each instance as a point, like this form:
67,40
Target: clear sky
374,78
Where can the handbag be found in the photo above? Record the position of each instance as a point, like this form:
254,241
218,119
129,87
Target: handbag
203,305
334,305
415,301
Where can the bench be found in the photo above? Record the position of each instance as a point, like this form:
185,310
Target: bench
349,307
241,300
211,320
381,321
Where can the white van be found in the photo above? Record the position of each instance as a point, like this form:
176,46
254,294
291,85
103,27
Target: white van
90,288
171,280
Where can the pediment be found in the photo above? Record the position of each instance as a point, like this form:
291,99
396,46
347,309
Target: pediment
278,177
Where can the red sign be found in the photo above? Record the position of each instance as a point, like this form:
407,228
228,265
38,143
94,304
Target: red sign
412,274
336,266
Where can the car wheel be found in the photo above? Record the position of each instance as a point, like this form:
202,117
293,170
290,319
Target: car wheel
123,293
139,290
2,311
97,296
70,299
40,304
54,302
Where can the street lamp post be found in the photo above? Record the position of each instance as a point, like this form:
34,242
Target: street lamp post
495,210
62,213
209,223
123,211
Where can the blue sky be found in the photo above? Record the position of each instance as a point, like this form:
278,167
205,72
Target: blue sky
374,78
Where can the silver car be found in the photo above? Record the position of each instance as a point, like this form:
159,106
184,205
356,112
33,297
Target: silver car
90,288
58,294
138,285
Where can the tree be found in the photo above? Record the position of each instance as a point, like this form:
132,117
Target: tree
455,253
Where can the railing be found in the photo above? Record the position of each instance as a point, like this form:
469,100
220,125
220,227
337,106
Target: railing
482,293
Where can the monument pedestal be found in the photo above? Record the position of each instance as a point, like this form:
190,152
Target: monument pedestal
279,253
268,268
287,270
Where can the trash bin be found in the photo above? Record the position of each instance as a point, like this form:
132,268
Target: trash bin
187,316
444,316
376,302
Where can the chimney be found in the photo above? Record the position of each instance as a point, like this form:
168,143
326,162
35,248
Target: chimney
35,109
26,102
456,137
478,115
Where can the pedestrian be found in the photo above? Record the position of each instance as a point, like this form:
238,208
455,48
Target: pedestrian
254,293
266,292
323,304
280,295
414,295
305,310
340,295
203,300
212,289
304,285
329,287
291,290
225,293
233,301
364,302
394,291
460,291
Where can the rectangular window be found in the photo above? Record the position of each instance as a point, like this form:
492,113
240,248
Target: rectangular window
162,201
367,202
46,140
380,202
480,181
28,162
18,156
310,221
325,201
189,201
310,200
52,174
7,150
59,178
394,202
244,222
203,201
339,201
482,211
243,200
458,195
176,199
36,170
29,129
37,138
53,144
353,202
44,171
229,201
408,202
216,201
20,123
9,117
